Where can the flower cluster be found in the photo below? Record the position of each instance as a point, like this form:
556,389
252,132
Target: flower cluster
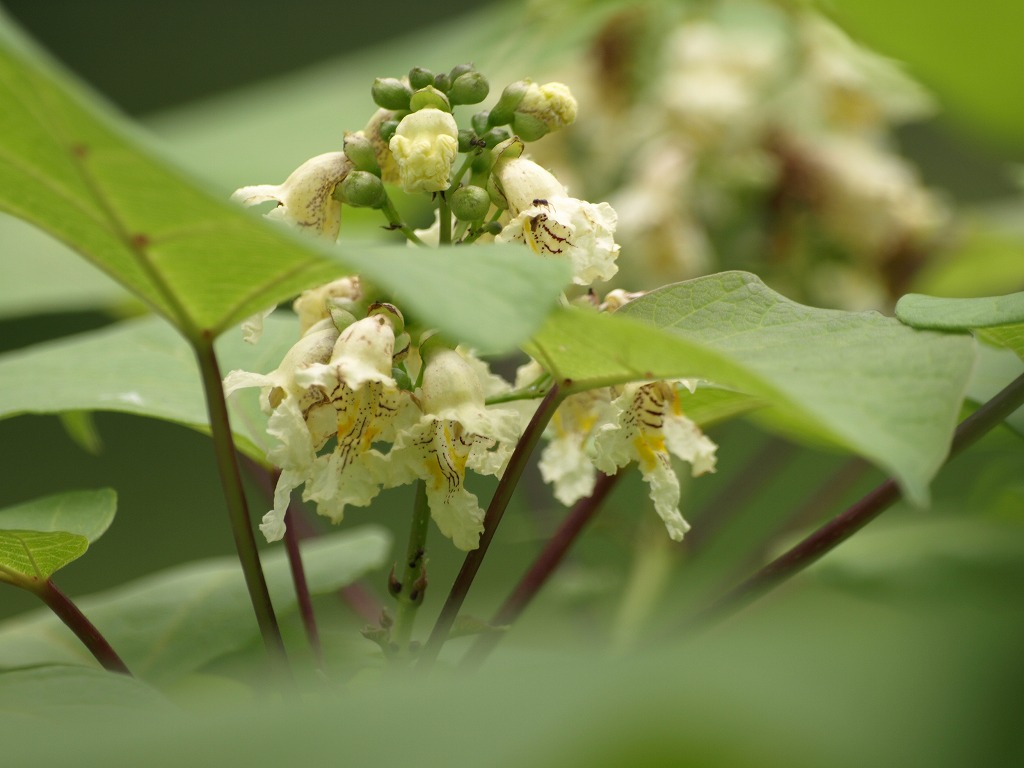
360,403
768,110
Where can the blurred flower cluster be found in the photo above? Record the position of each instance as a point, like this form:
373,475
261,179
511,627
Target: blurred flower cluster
365,400
751,135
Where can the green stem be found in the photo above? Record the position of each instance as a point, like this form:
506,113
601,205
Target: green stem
466,165
238,509
444,213
391,214
842,527
414,572
502,495
84,629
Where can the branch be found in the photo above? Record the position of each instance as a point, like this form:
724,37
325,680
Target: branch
840,528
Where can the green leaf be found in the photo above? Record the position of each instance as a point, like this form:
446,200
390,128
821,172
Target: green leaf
57,695
172,623
960,314
995,369
31,557
970,60
998,319
141,367
84,513
860,381
199,260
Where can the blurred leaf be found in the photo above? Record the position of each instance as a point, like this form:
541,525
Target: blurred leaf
85,513
960,314
972,60
203,262
81,428
31,557
861,381
988,257
995,369
1001,318
141,367
57,695
172,623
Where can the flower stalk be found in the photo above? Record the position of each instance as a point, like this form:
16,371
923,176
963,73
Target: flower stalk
414,572
84,629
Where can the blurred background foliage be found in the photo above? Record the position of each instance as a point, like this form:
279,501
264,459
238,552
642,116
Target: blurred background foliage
901,647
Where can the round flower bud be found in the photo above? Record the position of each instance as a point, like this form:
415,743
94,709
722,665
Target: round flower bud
479,122
467,140
551,104
429,97
502,112
442,82
387,130
362,189
391,93
420,77
460,69
491,228
470,203
528,127
470,88
359,149
495,136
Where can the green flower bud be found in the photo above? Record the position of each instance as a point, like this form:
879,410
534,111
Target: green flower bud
387,130
470,203
459,70
503,111
420,77
470,88
391,93
467,140
495,136
528,127
361,189
509,149
479,122
359,149
482,163
442,82
429,97
491,228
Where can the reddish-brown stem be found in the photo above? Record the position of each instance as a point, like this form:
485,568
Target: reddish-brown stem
546,563
291,545
502,495
84,629
840,528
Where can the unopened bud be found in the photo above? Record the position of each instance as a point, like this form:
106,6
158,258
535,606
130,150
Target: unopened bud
528,127
491,228
495,136
387,130
470,88
359,149
442,82
420,77
470,203
502,112
362,189
467,140
429,97
459,70
479,122
391,93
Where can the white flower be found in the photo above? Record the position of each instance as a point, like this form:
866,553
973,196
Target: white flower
565,461
316,304
455,431
552,103
551,223
424,146
305,199
648,427
330,385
